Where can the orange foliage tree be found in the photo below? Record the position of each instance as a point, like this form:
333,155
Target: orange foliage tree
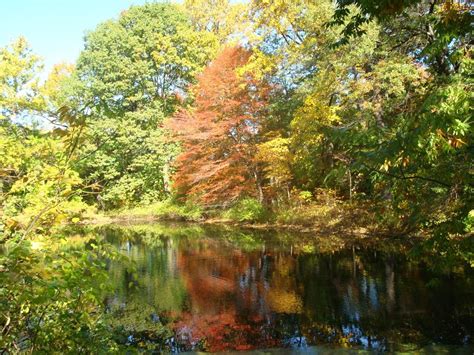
221,131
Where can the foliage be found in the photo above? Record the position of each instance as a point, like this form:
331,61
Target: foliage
445,26
221,132
247,210
51,297
228,21
305,196
19,83
148,56
163,210
385,113
276,159
293,111
133,73
38,185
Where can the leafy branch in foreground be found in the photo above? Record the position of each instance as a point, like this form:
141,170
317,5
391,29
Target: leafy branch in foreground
51,294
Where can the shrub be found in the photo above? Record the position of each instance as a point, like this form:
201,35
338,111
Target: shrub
247,210
305,196
169,209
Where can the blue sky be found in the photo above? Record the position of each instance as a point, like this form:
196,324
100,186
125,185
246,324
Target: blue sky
55,28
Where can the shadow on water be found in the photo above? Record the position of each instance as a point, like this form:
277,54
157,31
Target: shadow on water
220,288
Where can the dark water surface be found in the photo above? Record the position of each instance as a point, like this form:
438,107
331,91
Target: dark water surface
222,289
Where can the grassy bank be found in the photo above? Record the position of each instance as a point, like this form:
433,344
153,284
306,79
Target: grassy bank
166,210
323,216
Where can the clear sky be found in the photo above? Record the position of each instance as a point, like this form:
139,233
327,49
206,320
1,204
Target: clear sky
55,28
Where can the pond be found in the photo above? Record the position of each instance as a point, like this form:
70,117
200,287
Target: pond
222,288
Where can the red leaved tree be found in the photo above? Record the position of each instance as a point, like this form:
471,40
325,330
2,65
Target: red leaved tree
220,133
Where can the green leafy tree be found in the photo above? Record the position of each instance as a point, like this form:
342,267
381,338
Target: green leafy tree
134,72
367,109
19,83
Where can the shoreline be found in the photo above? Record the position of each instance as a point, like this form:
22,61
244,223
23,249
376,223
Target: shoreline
356,231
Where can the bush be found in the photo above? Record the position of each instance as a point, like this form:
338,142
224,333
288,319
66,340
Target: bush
305,196
247,210
307,215
169,209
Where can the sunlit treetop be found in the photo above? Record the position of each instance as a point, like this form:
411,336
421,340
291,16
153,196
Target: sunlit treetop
150,54
229,22
19,80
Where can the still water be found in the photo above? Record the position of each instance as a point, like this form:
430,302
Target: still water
220,289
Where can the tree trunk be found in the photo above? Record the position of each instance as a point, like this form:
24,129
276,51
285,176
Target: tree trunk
258,183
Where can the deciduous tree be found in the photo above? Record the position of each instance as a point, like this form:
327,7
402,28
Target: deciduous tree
221,131
133,73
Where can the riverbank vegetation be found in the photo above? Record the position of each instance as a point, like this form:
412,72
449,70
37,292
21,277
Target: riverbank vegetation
353,114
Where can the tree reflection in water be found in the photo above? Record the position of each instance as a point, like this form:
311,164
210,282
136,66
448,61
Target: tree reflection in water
222,289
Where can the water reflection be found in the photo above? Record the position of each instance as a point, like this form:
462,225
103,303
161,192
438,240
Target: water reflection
222,289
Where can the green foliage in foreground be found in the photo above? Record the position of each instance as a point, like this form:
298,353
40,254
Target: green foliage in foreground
52,298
